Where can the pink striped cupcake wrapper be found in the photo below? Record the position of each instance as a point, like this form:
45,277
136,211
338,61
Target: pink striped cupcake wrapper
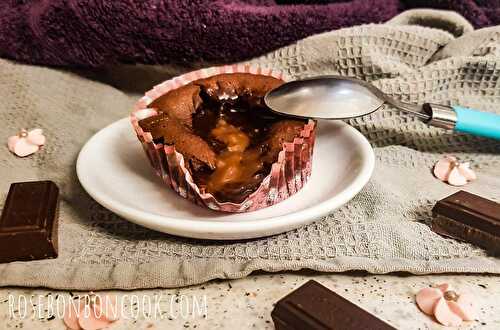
288,174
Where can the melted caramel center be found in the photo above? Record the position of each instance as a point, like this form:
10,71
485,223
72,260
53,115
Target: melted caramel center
235,164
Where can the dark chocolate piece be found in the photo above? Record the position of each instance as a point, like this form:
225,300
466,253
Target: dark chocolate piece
470,218
28,226
313,306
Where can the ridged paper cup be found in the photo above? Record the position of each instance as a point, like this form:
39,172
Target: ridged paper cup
288,174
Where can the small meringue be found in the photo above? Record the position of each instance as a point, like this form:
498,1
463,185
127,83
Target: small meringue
26,142
94,313
448,307
449,170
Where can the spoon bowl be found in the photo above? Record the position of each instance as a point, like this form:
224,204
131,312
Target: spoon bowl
325,97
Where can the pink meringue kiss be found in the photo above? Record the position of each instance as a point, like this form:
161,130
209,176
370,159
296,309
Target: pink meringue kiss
26,143
448,169
448,307
94,313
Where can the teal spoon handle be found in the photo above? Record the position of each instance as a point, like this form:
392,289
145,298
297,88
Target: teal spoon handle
479,123
464,120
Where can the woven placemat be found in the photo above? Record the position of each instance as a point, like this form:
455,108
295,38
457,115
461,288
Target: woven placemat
383,229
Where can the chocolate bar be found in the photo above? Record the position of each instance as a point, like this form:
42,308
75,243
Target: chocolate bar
470,218
313,306
28,226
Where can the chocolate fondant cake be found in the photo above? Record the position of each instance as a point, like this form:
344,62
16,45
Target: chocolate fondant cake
228,137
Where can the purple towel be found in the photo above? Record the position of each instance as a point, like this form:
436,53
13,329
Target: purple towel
92,33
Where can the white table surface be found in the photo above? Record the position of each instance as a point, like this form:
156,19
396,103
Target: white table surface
247,303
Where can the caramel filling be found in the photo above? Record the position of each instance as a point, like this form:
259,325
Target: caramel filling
236,164
237,129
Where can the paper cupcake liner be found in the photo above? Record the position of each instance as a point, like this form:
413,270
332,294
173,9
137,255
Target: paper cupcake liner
288,174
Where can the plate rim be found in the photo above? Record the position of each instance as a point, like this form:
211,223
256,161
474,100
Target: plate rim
231,230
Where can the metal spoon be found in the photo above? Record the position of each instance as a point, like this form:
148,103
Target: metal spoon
335,97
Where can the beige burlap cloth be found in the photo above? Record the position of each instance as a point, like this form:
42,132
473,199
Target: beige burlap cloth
419,56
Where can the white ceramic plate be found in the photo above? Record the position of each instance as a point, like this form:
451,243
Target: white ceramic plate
114,170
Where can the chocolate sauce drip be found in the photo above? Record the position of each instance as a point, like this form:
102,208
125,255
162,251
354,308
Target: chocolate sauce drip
250,116
245,112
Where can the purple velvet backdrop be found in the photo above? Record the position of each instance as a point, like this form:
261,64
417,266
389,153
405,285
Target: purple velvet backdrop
98,32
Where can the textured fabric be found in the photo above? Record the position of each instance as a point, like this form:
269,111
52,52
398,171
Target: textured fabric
383,229
99,32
